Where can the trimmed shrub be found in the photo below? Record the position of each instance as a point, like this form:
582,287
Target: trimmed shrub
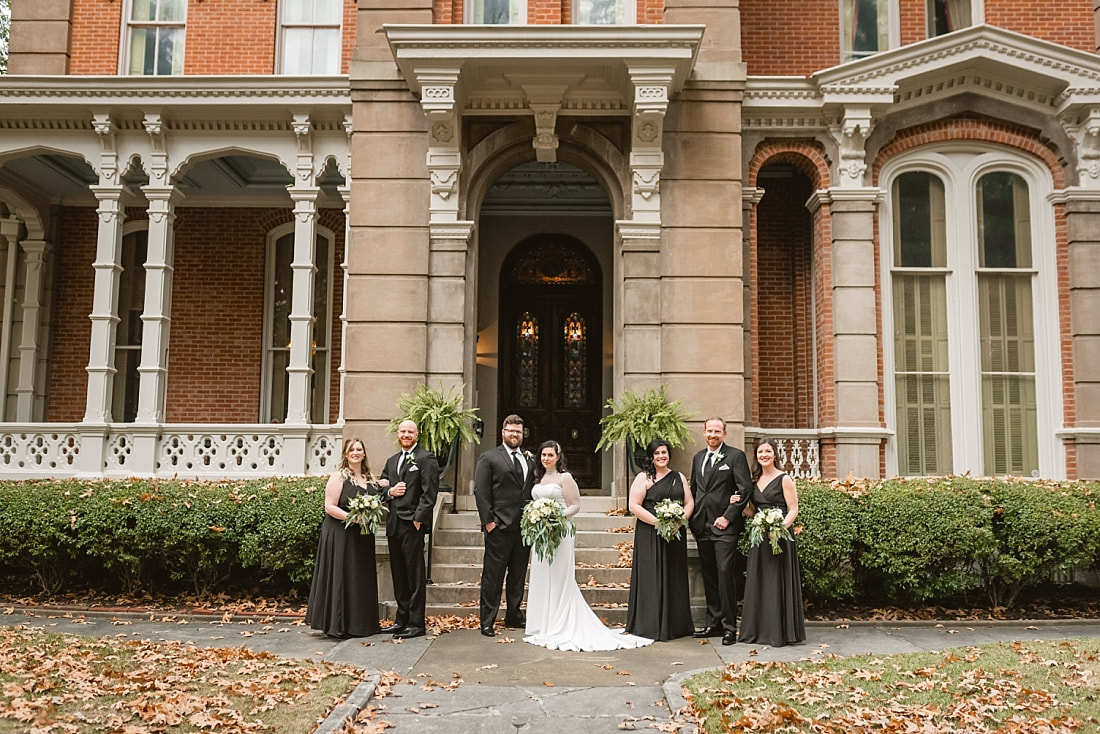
926,540
828,532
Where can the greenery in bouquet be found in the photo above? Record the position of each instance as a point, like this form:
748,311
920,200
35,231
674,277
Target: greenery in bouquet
768,524
543,526
670,518
365,510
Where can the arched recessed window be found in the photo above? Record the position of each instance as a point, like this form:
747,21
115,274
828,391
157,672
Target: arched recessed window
922,379
974,316
277,304
131,305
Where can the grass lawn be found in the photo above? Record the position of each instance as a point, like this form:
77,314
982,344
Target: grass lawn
1017,687
59,683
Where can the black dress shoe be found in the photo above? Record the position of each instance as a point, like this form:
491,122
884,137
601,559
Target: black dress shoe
707,632
518,623
488,632
408,633
394,629
729,638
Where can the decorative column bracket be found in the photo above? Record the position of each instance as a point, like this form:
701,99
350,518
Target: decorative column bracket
108,156
439,102
546,141
851,136
647,158
1085,132
303,132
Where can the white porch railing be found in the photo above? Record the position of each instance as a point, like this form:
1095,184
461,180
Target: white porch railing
798,450
45,450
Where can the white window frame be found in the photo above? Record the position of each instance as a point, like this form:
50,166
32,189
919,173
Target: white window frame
521,12
893,30
266,374
630,12
283,25
124,47
960,166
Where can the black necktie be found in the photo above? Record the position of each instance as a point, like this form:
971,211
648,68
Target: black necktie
404,460
515,461
708,464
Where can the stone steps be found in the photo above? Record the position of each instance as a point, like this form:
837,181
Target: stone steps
458,549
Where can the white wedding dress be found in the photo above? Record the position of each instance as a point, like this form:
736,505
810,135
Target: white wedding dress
558,617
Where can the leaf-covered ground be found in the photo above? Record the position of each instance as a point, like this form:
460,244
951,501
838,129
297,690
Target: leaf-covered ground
66,684
1039,687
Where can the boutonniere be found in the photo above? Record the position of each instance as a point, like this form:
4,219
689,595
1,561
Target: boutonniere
410,463
528,455
720,456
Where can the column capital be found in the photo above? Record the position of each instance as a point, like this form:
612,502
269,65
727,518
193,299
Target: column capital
851,135
1084,130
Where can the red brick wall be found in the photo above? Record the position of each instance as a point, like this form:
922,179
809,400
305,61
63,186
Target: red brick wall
777,39
223,36
785,382
217,313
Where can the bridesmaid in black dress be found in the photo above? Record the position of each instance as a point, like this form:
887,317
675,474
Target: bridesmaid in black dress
660,604
772,612
343,598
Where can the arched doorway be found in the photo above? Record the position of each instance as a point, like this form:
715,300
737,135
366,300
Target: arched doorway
550,339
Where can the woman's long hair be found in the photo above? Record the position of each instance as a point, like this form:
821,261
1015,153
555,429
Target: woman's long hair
649,468
540,470
757,470
345,468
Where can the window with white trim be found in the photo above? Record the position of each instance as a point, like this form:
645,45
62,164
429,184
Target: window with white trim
605,12
155,37
974,317
310,33
497,12
277,304
131,305
945,16
864,28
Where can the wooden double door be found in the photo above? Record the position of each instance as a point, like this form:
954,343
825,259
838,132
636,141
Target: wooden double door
551,348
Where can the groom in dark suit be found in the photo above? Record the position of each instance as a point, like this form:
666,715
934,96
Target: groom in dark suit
413,476
503,479
718,472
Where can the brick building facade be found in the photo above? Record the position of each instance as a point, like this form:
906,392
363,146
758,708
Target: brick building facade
233,233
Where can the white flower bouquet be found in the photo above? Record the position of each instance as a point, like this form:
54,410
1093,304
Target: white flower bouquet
670,518
769,524
543,526
366,511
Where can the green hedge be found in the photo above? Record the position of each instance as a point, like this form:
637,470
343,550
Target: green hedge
139,532
901,542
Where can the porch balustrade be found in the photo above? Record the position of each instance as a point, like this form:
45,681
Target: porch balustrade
43,450
798,452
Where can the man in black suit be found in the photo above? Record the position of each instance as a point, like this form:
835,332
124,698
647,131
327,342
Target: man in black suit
413,477
503,479
718,472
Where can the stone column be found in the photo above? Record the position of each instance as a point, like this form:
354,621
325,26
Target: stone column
390,241
35,255
345,194
1081,205
750,198
857,430
9,234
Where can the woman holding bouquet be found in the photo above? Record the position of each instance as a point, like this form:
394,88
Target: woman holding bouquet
558,617
660,605
772,612
343,598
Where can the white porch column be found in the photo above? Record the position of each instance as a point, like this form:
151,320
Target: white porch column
104,316
35,253
345,194
9,233
301,305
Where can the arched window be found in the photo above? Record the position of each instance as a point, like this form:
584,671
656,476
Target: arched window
277,303
974,316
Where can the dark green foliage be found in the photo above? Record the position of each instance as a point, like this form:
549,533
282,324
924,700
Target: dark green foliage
143,531
923,540
828,525
1040,531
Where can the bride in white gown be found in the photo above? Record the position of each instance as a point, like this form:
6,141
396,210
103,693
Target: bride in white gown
558,617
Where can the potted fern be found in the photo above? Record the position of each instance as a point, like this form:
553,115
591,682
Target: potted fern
635,420
444,424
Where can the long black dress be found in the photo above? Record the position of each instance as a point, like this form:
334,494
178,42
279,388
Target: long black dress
660,605
343,598
772,612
